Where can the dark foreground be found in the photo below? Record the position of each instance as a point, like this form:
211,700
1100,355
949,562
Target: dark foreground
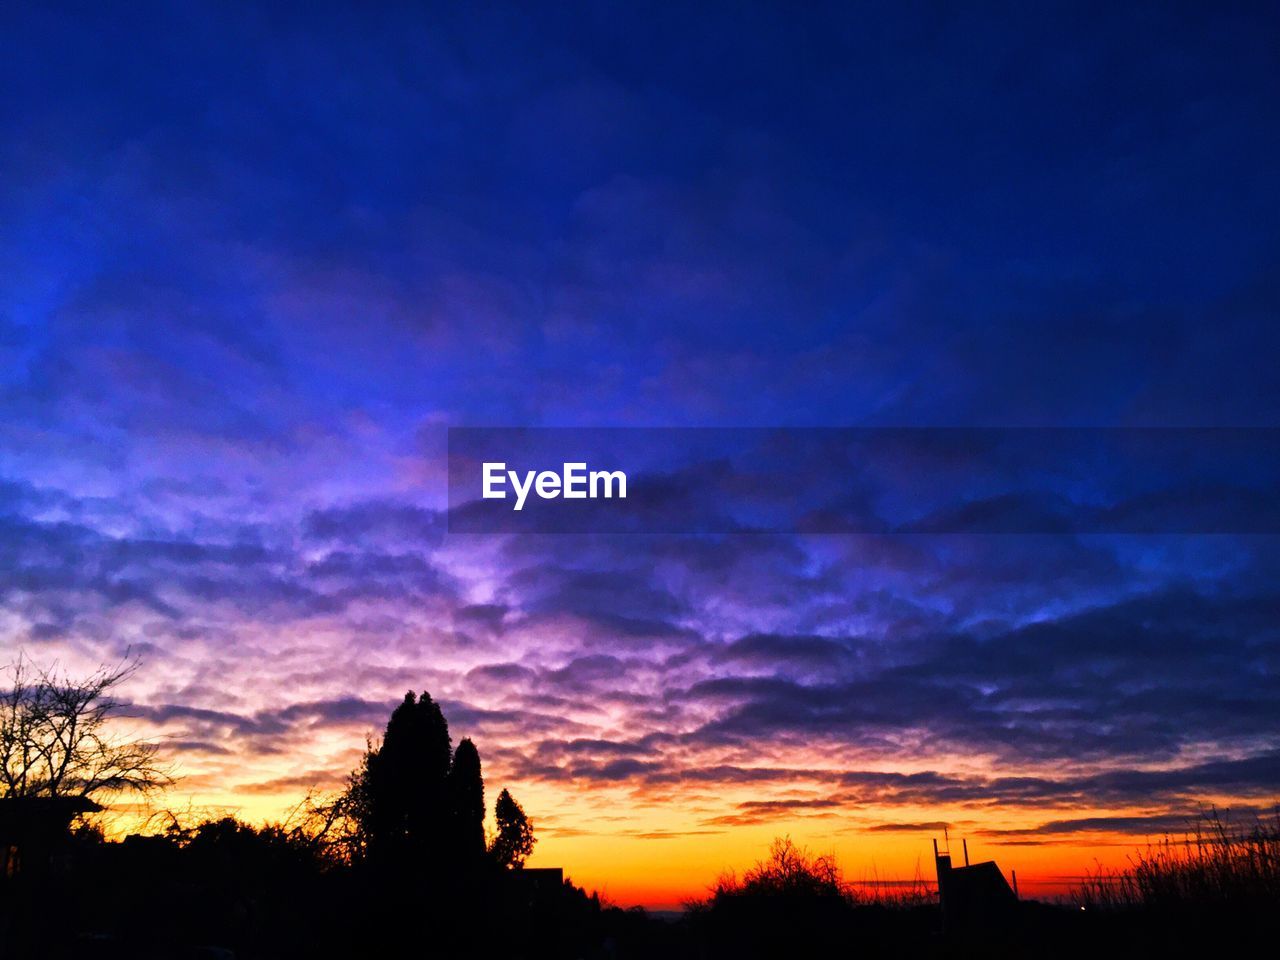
238,895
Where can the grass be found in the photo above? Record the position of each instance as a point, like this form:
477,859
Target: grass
1218,865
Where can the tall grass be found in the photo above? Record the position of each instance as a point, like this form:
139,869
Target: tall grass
1216,865
897,894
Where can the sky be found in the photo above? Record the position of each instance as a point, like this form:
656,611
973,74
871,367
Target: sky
256,260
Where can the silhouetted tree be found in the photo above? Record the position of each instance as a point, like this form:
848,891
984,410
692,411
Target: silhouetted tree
514,840
466,802
401,787
56,737
791,904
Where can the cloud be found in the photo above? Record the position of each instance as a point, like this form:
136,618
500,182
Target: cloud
376,522
778,652
871,671
231,341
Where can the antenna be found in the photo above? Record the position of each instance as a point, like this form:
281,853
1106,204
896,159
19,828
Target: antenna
946,836
965,841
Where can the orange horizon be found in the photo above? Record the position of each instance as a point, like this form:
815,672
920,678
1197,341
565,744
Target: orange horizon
641,862
650,837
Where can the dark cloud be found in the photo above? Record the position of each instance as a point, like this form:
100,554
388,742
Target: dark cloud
376,522
765,650
1121,680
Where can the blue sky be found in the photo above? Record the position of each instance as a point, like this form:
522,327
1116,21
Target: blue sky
256,259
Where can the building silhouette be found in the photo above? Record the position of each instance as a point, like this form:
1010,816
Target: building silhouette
972,896
35,833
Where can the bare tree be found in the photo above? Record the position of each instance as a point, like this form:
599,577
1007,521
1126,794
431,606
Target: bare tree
56,737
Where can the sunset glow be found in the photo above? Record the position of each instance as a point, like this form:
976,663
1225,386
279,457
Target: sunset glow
254,271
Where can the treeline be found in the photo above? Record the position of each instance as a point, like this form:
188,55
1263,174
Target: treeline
400,857
400,862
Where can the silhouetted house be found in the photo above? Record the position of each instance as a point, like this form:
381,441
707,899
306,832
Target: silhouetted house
35,832
973,895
